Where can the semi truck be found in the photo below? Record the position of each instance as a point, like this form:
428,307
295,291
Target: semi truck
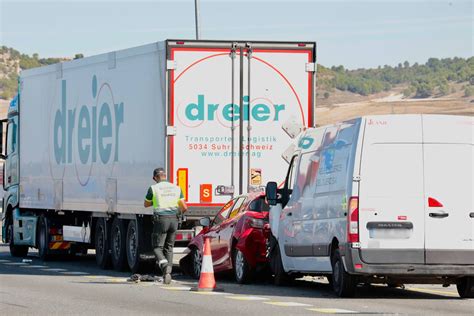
83,137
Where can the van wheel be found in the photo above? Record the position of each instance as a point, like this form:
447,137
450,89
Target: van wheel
280,277
43,239
15,251
242,270
102,256
196,263
465,287
117,244
343,284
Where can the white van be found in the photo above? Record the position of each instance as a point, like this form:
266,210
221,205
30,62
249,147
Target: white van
378,199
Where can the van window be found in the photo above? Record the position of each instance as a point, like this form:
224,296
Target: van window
291,179
11,139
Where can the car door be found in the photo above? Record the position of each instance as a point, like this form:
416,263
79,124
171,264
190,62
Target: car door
448,174
224,235
217,253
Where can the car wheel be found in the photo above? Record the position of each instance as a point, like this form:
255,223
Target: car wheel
280,277
196,263
102,255
343,284
15,250
242,270
465,287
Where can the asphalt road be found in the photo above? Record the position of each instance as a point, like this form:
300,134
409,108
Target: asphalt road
79,287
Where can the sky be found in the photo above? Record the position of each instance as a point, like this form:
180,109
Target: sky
355,34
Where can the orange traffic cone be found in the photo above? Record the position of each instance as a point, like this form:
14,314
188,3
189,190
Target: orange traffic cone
207,282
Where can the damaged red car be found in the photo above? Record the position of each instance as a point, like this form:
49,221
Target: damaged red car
239,235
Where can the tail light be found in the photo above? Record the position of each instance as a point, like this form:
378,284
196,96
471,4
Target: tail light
353,220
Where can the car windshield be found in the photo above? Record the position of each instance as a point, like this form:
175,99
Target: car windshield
259,205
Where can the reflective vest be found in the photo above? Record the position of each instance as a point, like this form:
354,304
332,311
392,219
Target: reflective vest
166,197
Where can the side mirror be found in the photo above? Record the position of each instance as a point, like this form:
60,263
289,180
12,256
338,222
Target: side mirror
205,221
2,139
271,193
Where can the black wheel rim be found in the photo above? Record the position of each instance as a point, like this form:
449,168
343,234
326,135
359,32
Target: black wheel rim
100,242
117,242
132,244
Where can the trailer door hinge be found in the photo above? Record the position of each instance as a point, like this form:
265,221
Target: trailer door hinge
356,178
170,130
170,65
310,67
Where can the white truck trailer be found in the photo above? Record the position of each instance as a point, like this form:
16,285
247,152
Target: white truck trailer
84,136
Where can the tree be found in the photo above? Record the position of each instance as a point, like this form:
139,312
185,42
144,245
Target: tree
35,56
326,95
444,89
468,91
406,64
78,56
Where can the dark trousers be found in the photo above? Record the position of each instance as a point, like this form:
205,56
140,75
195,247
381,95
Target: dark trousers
164,233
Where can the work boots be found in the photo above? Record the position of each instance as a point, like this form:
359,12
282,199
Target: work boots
166,269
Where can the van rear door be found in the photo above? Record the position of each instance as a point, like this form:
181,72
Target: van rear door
448,165
391,208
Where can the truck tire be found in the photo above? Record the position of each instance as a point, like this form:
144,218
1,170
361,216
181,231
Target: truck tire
280,277
15,250
343,284
102,255
118,236
42,239
243,272
134,247
465,287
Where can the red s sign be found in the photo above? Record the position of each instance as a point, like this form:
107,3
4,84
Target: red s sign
205,193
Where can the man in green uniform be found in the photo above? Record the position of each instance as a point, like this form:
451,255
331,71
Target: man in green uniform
168,204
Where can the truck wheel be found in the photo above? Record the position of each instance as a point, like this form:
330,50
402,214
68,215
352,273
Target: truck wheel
280,277
102,256
134,247
196,262
117,244
465,287
43,239
242,270
15,251
343,284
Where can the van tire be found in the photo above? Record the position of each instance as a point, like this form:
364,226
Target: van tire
15,250
465,287
343,284
280,277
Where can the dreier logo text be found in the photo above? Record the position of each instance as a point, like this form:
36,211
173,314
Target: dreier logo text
93,129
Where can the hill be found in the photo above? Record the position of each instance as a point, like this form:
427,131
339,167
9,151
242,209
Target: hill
438,86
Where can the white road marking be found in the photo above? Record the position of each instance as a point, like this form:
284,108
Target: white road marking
34,266
97,276
75,273
209,293
247,298
15,263
288,304
3,261
54,270
414,289
332,311
176,288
